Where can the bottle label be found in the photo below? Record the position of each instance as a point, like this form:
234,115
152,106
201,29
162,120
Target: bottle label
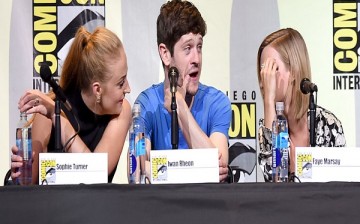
283,140
276,158
284,147
132,164
140,145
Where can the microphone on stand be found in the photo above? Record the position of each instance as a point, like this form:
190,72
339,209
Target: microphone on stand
173,78
45,74
307,87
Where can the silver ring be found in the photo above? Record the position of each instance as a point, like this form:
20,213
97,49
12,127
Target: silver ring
37,101
262,66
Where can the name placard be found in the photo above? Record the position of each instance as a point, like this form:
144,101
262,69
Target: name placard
184,166
72,168
324,164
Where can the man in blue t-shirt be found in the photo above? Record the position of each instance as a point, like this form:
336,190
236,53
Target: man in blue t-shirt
204,113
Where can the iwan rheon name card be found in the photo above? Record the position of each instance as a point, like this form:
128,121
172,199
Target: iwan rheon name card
184,166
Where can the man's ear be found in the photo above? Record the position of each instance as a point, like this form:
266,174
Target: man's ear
164,54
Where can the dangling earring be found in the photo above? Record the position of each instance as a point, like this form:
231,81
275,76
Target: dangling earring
98,98
98,101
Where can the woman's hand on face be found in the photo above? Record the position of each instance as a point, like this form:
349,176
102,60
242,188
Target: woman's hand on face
268,74
34,101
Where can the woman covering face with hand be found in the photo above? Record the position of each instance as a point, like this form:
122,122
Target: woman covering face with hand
94,80
282,63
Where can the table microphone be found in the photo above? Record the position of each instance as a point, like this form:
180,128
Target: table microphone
173,78
307,87
45,74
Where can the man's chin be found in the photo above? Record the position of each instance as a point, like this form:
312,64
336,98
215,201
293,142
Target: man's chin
192,90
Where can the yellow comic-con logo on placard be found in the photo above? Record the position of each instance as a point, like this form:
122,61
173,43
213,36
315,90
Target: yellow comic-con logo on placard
159,168
304,165
48,171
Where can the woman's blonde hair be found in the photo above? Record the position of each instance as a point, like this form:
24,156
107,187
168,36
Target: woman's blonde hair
88,56
293,52
87,59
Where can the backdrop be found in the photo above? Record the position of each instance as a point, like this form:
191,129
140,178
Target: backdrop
38,30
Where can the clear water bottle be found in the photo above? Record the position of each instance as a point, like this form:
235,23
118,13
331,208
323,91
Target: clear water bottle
132,156
275,151
280,139
139,145
24,144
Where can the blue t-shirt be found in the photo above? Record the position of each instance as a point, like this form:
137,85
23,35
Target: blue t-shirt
211,110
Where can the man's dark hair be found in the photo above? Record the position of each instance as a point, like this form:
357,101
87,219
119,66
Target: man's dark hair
177,18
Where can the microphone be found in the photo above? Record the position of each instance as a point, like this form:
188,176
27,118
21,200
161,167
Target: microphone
307,87
45,74
173,78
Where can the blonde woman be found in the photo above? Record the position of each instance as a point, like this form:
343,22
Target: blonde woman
282,62
94,80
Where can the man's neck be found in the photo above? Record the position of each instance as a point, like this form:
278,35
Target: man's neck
189,99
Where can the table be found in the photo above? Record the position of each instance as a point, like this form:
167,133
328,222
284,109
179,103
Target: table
335,202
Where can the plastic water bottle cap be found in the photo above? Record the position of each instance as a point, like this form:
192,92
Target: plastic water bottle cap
136,108
279,106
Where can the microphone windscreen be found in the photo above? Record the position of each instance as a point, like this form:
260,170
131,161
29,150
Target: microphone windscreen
302,85
45,72
173,72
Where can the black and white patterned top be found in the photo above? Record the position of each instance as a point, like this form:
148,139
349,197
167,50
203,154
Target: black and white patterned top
328,130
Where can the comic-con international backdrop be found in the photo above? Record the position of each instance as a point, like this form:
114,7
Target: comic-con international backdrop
42,30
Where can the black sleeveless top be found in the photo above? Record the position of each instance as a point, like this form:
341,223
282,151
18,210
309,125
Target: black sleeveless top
92,126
